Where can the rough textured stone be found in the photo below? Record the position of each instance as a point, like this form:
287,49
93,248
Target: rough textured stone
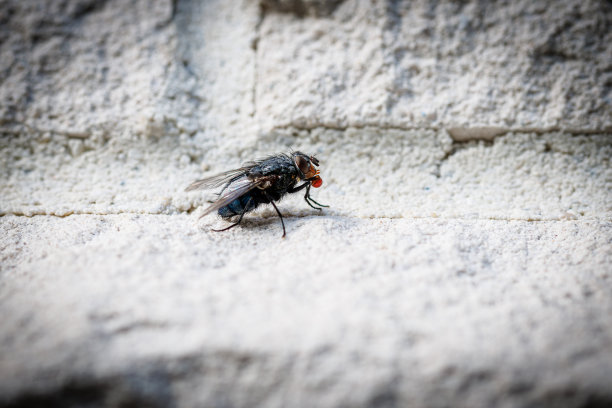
343,312
514,65
466,258
368,172
83,68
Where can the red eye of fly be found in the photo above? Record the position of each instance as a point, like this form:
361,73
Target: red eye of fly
317,182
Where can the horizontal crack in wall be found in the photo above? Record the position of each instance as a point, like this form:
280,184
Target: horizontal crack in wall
458,134
68,213
72,134
289,215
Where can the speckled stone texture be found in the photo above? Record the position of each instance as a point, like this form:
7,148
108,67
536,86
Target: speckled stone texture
466,258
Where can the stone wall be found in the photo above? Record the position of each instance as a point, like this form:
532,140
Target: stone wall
465,151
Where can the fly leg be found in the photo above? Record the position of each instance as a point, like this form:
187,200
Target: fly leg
239,219
309,200
298,188
278,212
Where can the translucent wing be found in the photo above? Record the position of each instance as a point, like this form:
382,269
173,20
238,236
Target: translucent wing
235,190
219,179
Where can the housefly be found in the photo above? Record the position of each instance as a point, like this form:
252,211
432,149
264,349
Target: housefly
262,182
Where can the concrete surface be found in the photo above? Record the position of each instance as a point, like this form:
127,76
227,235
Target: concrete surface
345,311
466,258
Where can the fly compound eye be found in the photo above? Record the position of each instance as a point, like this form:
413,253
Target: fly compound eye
303,164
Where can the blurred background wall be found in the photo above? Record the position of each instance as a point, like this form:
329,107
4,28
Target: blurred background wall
465,148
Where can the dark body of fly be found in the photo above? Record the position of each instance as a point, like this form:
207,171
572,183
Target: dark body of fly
286,177
262,182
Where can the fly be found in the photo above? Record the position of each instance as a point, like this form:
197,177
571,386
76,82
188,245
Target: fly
262,182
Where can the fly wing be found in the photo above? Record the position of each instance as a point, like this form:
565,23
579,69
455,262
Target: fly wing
219,179
237,189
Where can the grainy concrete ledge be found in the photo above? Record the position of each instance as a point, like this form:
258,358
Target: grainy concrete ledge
465,150
158,310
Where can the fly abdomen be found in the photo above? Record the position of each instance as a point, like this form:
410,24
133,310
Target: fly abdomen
240,205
